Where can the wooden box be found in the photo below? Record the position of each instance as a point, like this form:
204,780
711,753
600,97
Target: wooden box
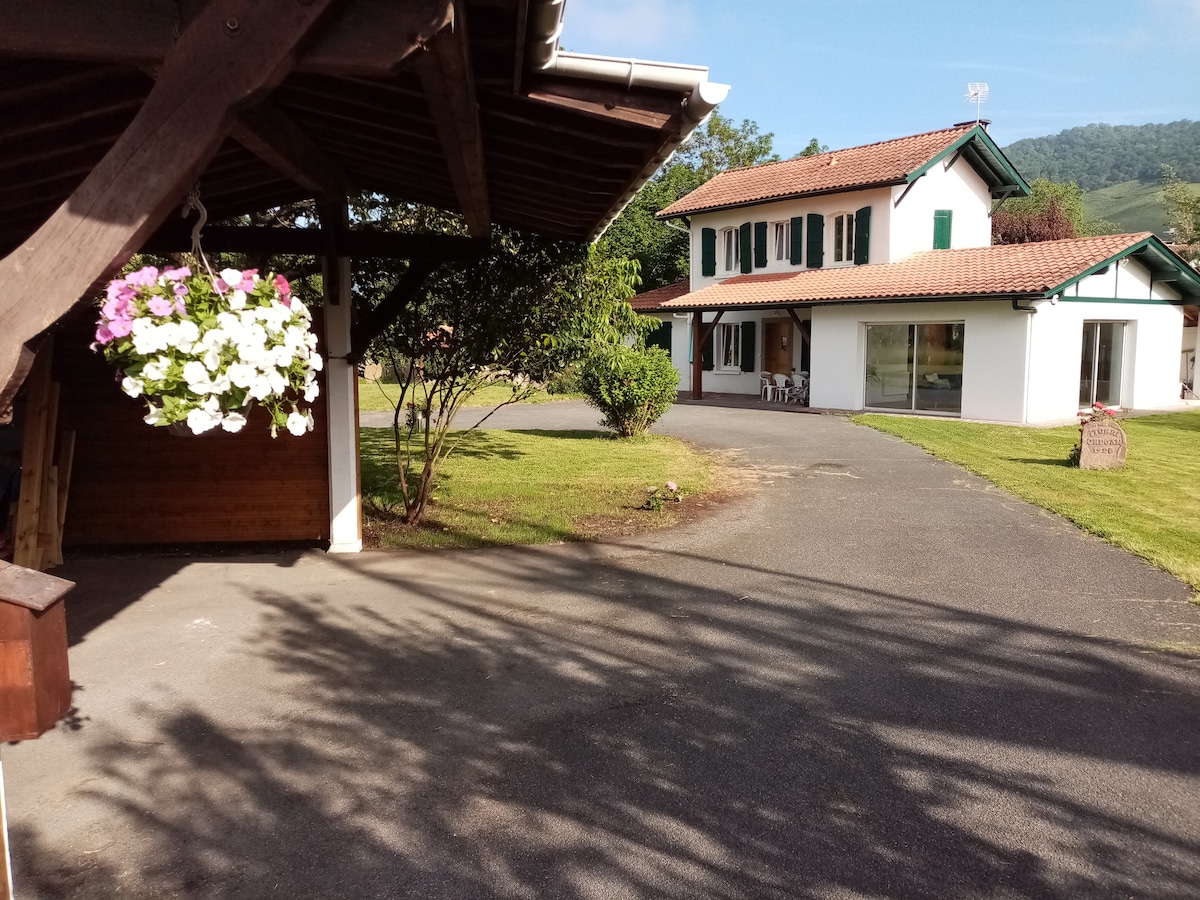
35,683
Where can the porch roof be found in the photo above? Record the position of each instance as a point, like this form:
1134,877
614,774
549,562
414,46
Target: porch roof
1035,271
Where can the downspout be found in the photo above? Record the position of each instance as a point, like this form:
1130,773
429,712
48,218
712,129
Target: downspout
543,55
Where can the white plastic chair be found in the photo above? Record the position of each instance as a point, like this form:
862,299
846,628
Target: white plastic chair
781,387
798,390
766,390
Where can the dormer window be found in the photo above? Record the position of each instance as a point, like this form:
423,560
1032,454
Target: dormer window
843,238
729,249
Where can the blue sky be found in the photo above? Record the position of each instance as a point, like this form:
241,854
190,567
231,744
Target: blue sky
851,72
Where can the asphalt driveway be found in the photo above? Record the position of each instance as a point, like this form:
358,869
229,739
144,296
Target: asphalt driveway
871,675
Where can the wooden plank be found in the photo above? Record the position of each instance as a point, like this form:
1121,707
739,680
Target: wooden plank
801,325
609,104
274,138
175,237
66,459
33,460
371,38
25,361
449,85
233,52
29,588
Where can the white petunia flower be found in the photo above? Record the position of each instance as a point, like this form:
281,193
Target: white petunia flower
241,375
297,423
231,276
277,380
311,391
205,417
234,422
132,386
156,370
152,417
196,375
260,387
237,300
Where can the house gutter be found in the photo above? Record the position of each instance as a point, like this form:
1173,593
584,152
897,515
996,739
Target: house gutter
542,55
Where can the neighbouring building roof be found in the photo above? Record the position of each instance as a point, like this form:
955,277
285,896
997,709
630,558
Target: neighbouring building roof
652,300
1012,270
857,168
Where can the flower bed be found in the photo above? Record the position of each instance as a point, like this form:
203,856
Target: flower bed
202,350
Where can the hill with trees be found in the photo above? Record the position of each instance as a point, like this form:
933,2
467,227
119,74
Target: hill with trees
1099,156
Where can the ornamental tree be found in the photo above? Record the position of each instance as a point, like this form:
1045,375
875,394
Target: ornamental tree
527,309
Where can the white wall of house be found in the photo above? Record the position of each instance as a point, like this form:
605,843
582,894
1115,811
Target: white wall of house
958,189
879,199
994,342
1187,358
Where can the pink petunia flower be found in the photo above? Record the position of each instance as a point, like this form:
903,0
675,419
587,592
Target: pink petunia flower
672,487
103,335
181,307
176,274
181,290
115,287
285,291
160,306
220,285
120,327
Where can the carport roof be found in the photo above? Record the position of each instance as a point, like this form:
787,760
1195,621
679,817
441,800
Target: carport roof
1038,270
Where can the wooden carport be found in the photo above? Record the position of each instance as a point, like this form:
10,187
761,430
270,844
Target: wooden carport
110,113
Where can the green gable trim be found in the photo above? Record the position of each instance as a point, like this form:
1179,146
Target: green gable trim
1002,169
1155,256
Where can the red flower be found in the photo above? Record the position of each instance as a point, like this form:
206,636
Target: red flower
1110,412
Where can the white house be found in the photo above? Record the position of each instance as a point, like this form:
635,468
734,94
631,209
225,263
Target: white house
871,269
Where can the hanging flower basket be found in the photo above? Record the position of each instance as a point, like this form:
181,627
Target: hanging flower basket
203,350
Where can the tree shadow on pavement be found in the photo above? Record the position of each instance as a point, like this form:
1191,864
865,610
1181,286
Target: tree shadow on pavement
594,730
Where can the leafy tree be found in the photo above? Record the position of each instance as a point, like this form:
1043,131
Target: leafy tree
519,315
1052,212
1183,210
661,248
814,148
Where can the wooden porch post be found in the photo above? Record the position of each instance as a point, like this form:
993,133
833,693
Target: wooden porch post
697,355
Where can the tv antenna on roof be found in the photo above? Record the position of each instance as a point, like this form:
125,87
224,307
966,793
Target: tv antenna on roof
977,91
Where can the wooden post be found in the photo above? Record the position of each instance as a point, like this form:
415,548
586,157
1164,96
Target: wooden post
33,460
698,355
66,459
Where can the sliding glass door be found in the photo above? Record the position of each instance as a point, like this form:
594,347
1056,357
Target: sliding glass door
1100,368
915,367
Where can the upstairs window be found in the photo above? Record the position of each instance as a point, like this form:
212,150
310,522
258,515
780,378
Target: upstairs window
783,240
730,246
843,238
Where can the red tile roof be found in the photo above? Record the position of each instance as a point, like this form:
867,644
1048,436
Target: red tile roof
886,162
651,300
1009,270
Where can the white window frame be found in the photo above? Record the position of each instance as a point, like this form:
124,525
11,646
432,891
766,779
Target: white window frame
846,245
727,335
731,248
782,232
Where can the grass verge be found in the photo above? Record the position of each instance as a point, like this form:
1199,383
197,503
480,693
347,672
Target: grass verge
534,487
375,396
1151,507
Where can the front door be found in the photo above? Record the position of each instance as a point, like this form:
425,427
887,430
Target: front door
777,347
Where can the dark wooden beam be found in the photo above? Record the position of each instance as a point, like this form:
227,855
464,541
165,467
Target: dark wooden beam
608,104
175,237
371,38
283,145
233,52
373,323
801,326
450,90
700,334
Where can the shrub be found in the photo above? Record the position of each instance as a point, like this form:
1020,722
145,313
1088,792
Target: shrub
631,386
564,381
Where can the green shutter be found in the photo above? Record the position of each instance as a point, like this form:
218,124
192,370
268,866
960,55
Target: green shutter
942,219
816,241
706,352
660,337
862,236
796,251
760,245
744,249
708,252
748,347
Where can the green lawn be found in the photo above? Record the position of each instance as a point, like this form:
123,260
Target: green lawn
1151,507
374,396
534,487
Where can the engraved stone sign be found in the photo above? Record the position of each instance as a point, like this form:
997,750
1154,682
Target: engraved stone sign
1102,446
